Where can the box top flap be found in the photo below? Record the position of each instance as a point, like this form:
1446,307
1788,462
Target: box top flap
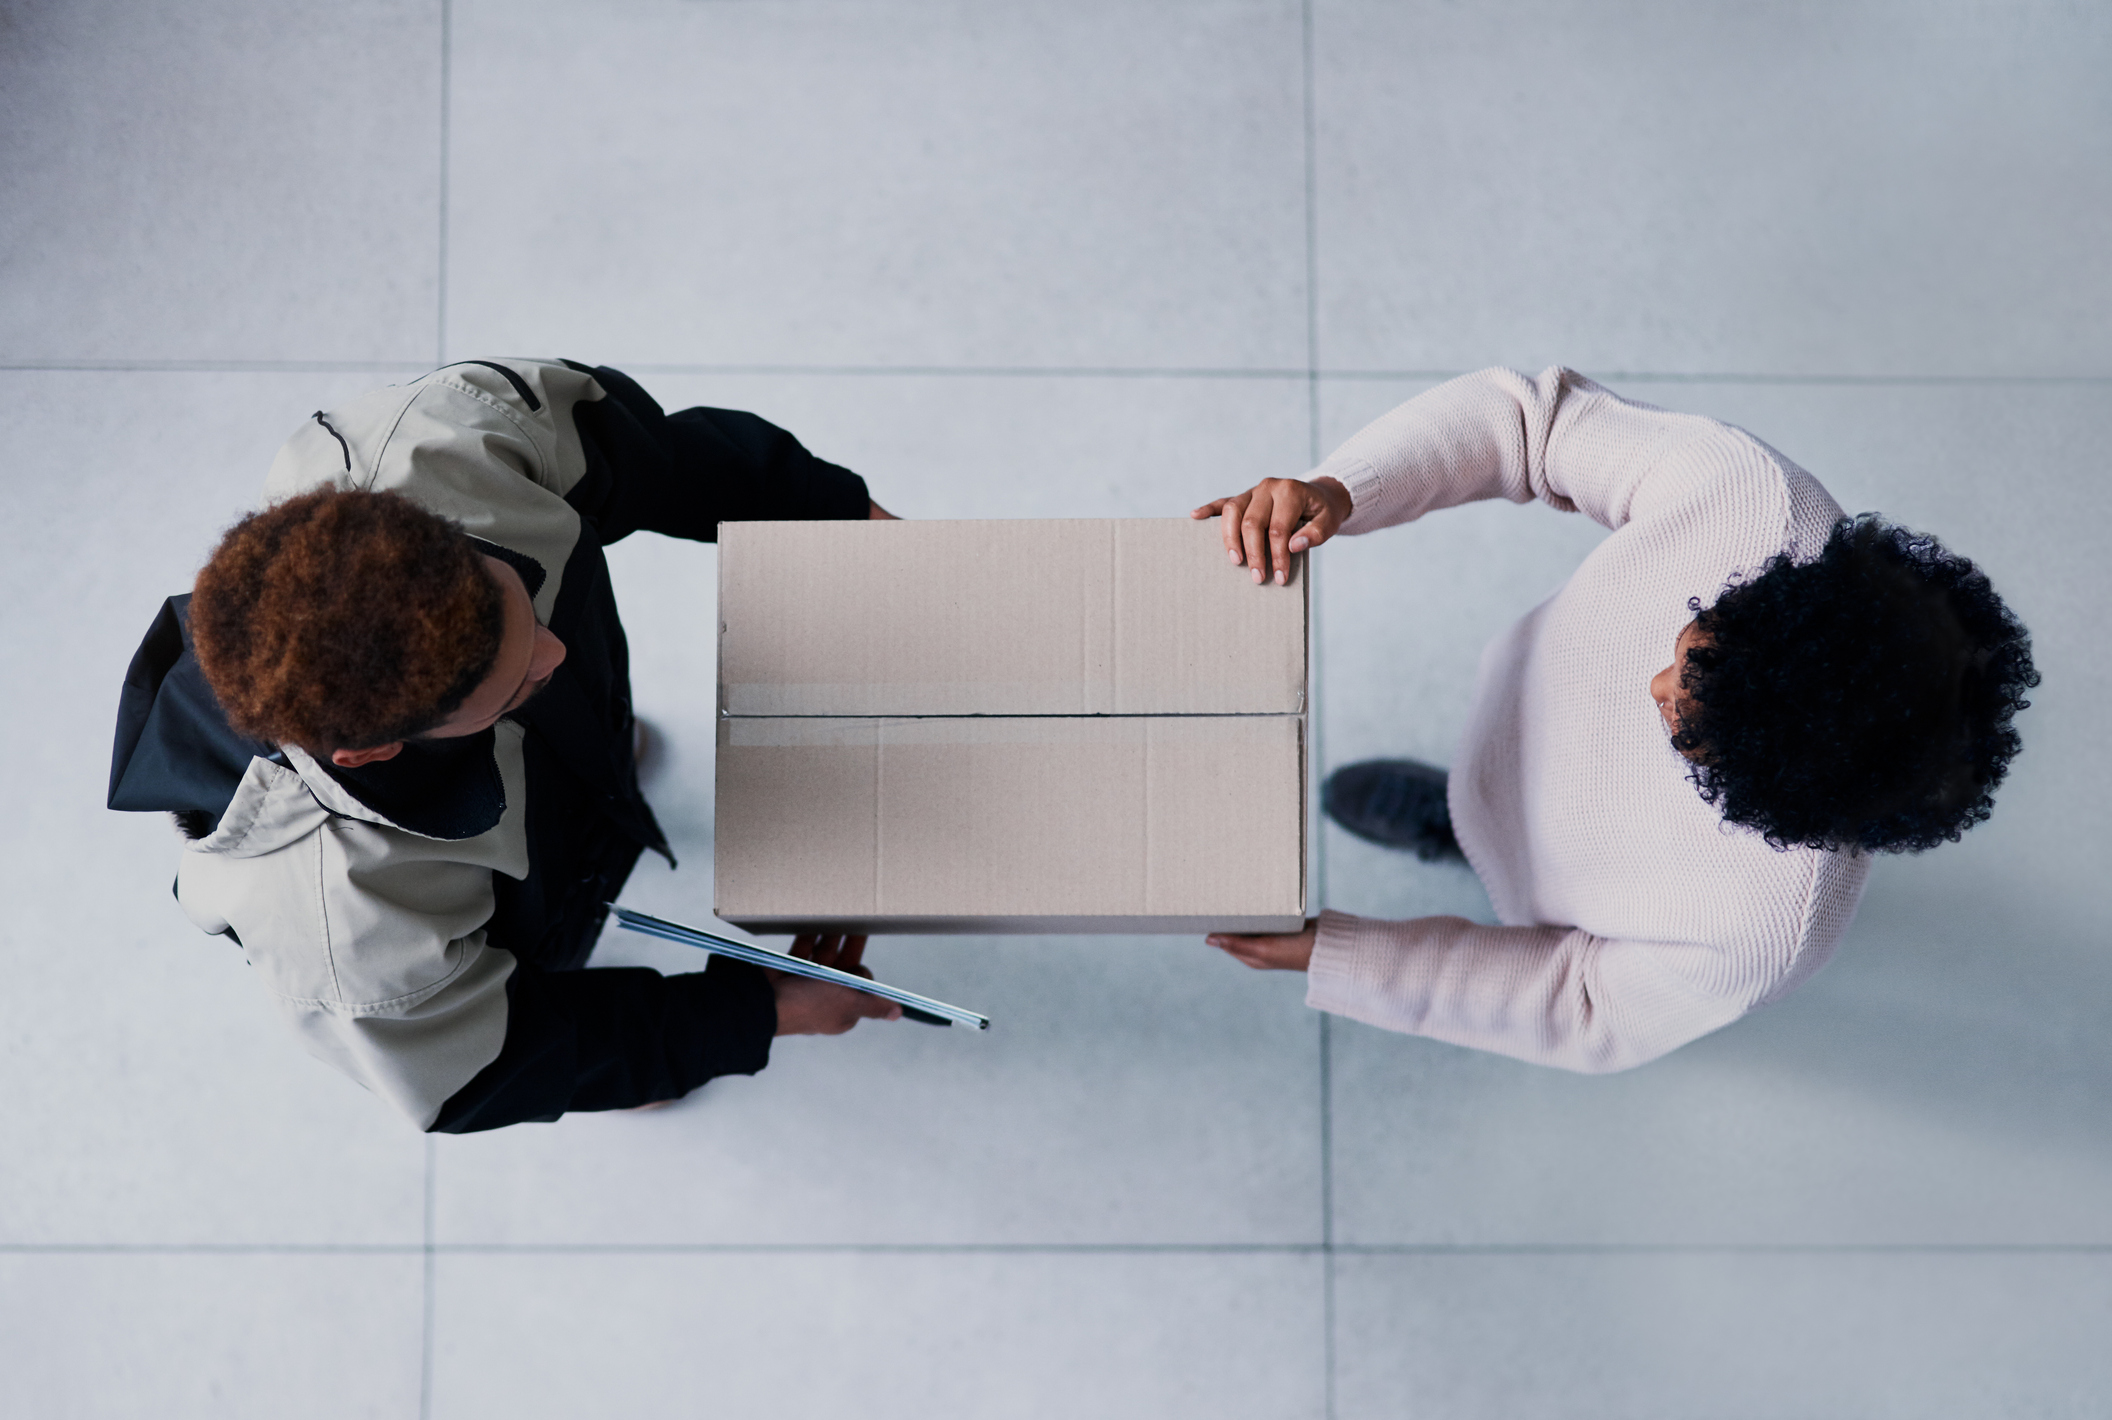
1072,616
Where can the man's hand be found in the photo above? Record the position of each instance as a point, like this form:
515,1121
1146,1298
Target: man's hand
874,512
1287,951
1276,519
808,1007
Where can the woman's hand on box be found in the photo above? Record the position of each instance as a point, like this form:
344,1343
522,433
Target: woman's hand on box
875,513
809,1007
1264,951
1277,519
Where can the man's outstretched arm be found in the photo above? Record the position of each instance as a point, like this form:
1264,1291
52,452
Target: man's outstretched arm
615,1037
683,474
623,1036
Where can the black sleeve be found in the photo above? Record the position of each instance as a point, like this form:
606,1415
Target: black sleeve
683,474
611,1037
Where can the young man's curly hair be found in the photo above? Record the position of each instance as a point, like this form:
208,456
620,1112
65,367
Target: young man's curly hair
344,620
1862,700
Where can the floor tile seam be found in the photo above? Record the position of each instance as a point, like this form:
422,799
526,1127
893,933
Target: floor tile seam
429,1204
1140,372
1037,714
1752,377
1713,1249
1096,372
440,261
207,1249
442,1249
1312,1249
1287,373
1310,139
896,1249
429,1229
1316,669
214,367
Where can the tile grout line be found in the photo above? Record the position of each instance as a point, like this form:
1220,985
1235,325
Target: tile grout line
1312,376
435,1250
428,1262
1716,1249
212,367
1312,237
1318,669
447,35
428,1270
1328,1246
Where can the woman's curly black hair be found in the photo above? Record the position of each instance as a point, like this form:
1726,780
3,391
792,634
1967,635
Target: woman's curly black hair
1862,700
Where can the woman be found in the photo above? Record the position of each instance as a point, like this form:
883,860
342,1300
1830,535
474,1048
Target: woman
1667,845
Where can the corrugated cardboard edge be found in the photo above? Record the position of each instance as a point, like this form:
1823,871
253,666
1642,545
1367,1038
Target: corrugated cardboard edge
1304,721
1017,926
718,631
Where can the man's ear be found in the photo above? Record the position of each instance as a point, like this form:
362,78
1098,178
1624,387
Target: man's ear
353,758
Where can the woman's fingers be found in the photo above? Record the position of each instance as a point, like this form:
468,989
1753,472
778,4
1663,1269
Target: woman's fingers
1241,949
1272,522
1318,530
1288,951
1230,511
1325,505
1254,526
1259,523
1292,503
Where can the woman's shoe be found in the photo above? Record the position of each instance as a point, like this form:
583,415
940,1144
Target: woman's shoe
1399,803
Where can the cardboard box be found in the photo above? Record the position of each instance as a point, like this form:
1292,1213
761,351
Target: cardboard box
1051,726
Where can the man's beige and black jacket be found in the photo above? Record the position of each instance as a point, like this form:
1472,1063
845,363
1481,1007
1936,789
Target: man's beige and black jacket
421,922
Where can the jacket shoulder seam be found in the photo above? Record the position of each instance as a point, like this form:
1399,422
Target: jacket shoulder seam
322,918
456,384
381,448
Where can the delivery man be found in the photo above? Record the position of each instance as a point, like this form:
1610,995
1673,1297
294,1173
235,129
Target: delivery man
393,723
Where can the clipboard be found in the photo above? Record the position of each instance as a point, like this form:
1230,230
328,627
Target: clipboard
914,1007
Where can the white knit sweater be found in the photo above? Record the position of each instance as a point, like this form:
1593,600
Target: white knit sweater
1634,918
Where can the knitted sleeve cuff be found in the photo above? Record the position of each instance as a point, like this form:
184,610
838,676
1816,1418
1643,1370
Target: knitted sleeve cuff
1333,981
1365,491
1381,973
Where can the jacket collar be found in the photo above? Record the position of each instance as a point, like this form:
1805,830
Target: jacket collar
175,752
447,789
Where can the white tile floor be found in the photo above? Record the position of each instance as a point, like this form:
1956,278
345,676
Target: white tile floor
1101,258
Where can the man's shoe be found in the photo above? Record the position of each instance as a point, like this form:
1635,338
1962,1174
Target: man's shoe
1399,803
647,750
